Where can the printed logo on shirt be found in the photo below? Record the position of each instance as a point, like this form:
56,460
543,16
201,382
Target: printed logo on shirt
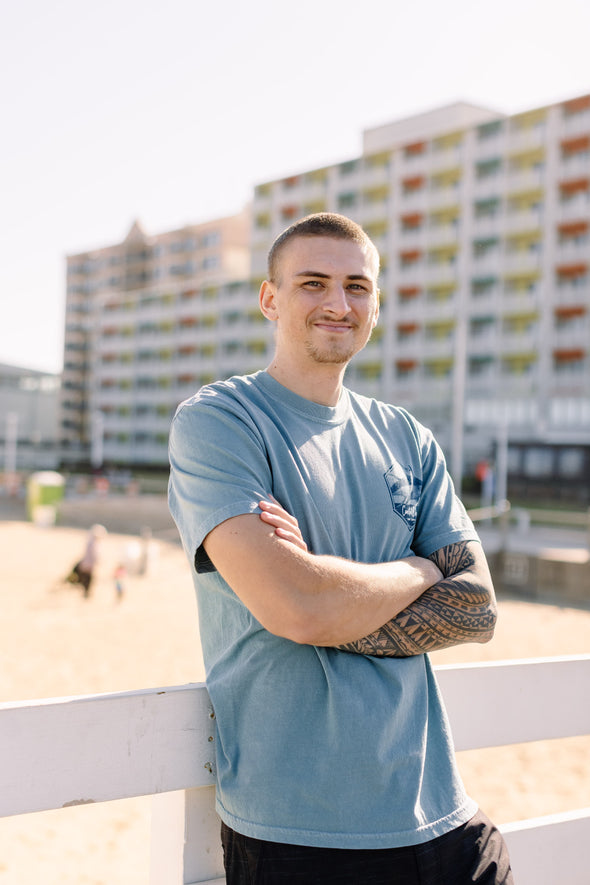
404,489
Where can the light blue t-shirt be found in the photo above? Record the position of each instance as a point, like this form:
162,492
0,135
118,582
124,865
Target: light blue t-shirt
317,746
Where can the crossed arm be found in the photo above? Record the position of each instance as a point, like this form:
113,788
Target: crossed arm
400,608
460,608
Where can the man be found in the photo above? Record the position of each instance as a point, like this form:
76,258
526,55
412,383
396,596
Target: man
329,555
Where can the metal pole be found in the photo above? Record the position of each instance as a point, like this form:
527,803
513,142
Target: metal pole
96,445
10,451
502,463
458,405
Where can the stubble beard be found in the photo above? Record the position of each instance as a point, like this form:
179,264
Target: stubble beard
334,354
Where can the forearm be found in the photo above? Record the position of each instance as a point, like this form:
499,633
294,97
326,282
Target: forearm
458,609
312,599
350,596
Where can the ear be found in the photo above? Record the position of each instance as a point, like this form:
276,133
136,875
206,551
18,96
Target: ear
376,316
267,300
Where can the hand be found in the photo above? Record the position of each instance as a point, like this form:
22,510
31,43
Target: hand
286,526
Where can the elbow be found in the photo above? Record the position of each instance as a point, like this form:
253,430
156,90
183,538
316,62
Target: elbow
303,624
301,629
487,623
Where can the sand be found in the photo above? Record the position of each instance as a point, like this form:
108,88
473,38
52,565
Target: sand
56,643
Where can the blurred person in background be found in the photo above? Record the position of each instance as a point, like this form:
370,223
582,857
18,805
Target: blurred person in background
83,571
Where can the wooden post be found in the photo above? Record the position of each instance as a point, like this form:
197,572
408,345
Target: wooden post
186,848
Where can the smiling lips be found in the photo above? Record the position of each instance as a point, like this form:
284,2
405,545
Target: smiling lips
331,326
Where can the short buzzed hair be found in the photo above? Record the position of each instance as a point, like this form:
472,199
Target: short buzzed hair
322,224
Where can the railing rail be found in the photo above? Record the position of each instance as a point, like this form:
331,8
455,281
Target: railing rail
159,742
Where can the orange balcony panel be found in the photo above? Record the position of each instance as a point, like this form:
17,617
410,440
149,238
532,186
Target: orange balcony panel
418,147
576,105
406,365
572,228
569,356
572,270
410,255
566,313
188,322
413,219
575,145
413,182
574,186
409,291
407,328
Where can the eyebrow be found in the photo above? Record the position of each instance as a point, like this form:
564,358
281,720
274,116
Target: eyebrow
327,276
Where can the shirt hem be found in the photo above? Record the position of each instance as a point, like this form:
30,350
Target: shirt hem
322,839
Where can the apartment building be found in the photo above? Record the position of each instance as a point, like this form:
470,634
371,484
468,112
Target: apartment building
147,322
482,221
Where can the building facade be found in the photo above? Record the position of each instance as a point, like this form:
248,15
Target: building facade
482,221
29,403
483,225
141,332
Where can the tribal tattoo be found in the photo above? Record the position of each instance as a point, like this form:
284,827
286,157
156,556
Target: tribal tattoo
460,608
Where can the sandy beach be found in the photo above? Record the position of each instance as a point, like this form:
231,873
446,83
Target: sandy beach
55,643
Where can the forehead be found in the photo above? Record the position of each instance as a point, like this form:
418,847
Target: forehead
329,255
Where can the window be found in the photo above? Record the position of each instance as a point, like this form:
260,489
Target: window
347,200
570,462
538,462
488,168
212,238
485,246
483,285
480,365
489,130
349,167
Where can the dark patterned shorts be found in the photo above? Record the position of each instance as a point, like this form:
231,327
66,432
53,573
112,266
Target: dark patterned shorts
472,854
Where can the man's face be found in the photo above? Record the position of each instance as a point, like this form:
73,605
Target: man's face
324,300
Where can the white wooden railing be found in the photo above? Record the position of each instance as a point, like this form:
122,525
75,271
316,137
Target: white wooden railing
159,742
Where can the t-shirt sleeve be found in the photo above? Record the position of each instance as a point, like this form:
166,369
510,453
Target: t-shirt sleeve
441,517
218,469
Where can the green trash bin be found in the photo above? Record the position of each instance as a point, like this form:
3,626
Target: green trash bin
45,490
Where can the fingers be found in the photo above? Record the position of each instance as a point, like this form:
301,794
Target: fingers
285,525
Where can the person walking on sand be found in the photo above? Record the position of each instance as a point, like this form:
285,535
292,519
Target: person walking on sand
330,554
83,571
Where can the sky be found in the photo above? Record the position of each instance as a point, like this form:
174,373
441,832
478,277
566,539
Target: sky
171,111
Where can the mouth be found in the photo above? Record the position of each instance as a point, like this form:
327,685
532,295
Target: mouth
336,328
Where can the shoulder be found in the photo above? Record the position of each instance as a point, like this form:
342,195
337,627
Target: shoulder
221,399
235,390
219,417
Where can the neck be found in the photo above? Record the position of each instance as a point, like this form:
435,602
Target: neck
320,384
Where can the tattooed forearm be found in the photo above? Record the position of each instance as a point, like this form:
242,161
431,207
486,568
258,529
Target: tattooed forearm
459,609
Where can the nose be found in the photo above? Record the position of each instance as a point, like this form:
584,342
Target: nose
336,300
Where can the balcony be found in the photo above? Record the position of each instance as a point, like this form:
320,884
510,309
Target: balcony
520,344
525,179
523,219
